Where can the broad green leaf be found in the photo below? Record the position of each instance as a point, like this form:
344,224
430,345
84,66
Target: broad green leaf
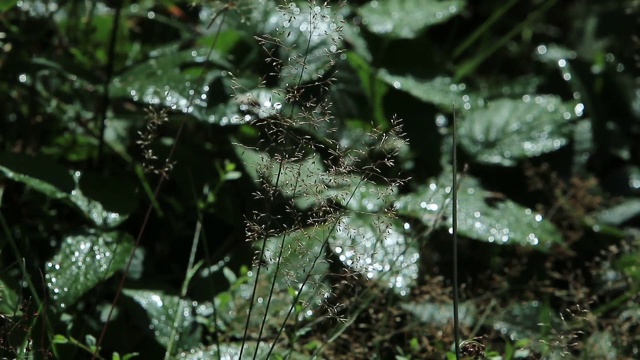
93,209
526,320
116,194
291,177
226,351
161,310
629,264
8,300
259,103
310,38
620,213
304,179
376,246
583,144
406,19
440,91
602,345
441,314
482,215
552,53
172,80
84,261
508,130
73,147
39,173
357,194
292,263
309,184
232,351
353,36
57,182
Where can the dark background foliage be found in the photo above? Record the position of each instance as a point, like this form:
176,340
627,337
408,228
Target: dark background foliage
546,95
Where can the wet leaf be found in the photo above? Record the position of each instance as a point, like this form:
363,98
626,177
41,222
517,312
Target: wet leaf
8,300
620,213
357,194
375,245
602,345
94,210
526,320
57,182
482,215
40,173
172,80
161,311
406,19
309,184
440,91
309,34
583,144
232,351
84,261
441,314
508,130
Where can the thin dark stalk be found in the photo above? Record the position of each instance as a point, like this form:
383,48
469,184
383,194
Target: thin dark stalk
155,195
255,284
273,283
102,117
324,245
454,219
264,241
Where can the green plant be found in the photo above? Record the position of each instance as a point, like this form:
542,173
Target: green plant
230,179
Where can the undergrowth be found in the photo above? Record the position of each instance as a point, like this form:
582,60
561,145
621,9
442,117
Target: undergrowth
292,215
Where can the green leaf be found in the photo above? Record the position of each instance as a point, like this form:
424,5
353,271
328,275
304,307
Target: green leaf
406,19
84,261
57,182
482,215
372,86
311,37
620,213
90,340
602,345
130,356
116,194
508,130
303,179
40,173
171,80
583,144
60,339
629,264
526,320
161,311
8,300
376,246
232,351
440,91
7,4
108,190
440,314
